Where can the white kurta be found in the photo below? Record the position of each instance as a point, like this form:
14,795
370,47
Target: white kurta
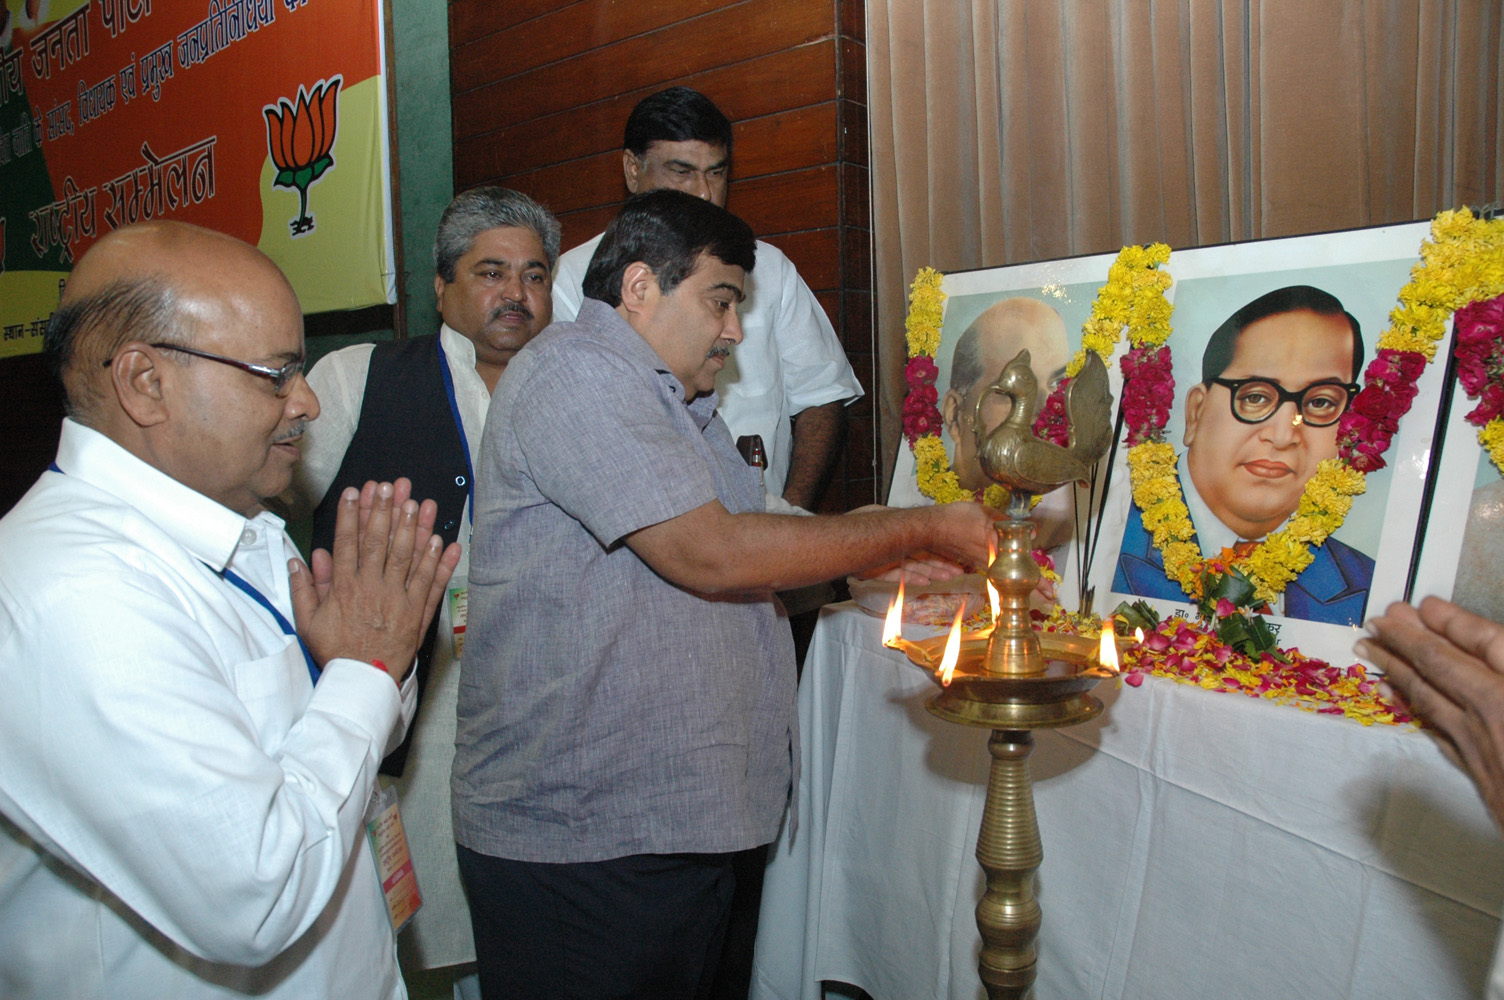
184,809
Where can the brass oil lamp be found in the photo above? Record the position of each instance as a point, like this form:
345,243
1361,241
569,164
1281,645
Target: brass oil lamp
1014,679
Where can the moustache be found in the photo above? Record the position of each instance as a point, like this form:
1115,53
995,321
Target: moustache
516,309
719,351
295,431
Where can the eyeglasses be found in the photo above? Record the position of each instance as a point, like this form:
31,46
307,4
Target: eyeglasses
1320,404
280,378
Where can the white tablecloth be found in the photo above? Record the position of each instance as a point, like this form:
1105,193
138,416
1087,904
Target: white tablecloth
1197,845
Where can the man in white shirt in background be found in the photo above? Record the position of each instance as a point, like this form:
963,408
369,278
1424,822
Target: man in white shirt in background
788,381
416,408
184,774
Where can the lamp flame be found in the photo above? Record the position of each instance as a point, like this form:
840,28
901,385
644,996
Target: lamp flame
997,604
893,623
1138,635
1107,652
952,648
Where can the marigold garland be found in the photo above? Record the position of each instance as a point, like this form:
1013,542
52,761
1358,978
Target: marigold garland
1133,298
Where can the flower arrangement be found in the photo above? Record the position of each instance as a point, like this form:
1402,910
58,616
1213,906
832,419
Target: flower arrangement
1133,299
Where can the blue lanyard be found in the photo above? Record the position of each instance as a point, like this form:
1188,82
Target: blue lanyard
259,598
286,626
459,425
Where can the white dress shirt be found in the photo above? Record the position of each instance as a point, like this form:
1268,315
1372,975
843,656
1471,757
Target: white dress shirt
789,359
183,809
439,935
1211,534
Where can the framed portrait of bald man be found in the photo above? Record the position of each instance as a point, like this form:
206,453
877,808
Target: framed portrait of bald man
1269,345
990,315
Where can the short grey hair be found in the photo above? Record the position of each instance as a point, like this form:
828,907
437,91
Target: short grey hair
87,331
474,211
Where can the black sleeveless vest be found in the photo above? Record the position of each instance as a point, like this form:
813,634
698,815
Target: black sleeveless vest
406,428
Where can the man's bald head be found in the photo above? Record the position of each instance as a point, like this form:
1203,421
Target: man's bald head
996,336
183,346
152,283
992,340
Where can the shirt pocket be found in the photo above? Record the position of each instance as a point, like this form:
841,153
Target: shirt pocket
274,690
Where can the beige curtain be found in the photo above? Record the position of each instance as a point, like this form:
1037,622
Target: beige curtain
1006,131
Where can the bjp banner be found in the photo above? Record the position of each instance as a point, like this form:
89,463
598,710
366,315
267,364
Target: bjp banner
264,119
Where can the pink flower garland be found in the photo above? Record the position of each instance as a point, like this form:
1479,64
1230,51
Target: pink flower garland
1364,433
921,410
1148,393
1479,337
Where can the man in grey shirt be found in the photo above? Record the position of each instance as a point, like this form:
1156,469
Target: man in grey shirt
626,706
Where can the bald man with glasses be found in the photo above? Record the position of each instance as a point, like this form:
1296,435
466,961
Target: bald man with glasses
193,717
1276,378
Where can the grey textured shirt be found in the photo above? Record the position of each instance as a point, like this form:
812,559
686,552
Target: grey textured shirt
602,710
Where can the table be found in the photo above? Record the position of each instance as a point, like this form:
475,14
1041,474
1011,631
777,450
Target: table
1196,845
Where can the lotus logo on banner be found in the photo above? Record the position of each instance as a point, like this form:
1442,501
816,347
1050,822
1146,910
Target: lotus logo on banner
300,136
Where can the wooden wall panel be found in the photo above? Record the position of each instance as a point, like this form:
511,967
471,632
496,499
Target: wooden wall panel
732,34
475,19
745,91
542,90
558,34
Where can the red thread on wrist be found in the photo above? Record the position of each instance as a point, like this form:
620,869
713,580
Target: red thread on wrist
381,666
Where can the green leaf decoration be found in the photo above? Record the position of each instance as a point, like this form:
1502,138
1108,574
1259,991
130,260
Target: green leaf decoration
322,164
283,179
1249,635
1138,615
1233,585
302,178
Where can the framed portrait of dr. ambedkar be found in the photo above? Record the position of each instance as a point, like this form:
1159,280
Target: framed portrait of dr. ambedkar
1268,346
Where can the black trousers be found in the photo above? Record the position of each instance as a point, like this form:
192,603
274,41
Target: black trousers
643,927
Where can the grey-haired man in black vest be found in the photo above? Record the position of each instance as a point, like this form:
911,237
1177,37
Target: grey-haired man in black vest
415,408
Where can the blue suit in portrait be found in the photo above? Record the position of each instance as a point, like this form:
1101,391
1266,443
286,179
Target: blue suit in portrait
1333,589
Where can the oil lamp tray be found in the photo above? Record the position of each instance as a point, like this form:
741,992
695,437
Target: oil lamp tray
1056,697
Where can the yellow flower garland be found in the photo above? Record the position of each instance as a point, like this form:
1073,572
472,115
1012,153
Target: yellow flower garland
926,309
1462,263
1491,437
1134,297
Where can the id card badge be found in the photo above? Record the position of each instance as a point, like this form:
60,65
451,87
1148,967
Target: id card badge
394,862
459,607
